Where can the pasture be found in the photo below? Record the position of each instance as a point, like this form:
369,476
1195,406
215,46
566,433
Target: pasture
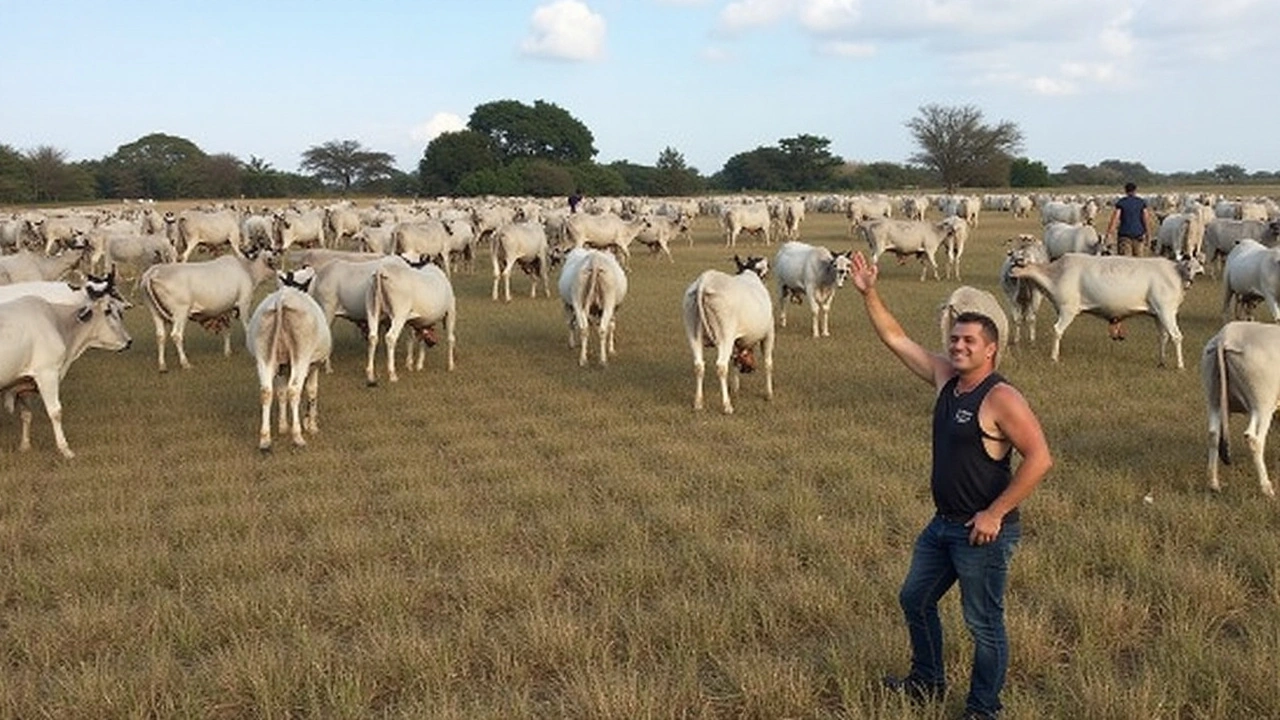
524,538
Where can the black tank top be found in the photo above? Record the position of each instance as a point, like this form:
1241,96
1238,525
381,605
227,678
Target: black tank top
965,478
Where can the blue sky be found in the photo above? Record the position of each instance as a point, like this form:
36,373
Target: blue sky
1175,84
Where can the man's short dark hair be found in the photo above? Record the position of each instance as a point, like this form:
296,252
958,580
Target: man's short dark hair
989,329
1130,187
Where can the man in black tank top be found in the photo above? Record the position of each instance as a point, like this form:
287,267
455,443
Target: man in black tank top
978,421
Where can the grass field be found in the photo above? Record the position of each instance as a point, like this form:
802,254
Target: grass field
524,538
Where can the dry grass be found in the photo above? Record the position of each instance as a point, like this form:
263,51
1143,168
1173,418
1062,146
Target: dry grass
523,538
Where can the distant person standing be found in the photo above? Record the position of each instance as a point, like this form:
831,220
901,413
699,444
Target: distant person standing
1130,224
575,200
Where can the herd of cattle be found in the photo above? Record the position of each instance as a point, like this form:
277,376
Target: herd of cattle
387,267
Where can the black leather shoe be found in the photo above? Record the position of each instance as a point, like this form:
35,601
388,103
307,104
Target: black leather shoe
914,688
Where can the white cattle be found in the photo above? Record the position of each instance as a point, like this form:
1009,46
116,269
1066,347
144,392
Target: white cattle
731,313
1252,272
1113,288
1240,372
905,238
807,271
62,293
1024,297
592,286
751,217
1221,236
956,238
291,227
965,299
190,229
487,219
341,221
791,215
341,288
1020,206
419,297
319,257
426,238
1061,212
27,266
862,208
968,208
59,230
139,251
604,232
207,292
1180,235
1062,238
377,238
913,208
288,330
258,229
523,244
660,231
38,343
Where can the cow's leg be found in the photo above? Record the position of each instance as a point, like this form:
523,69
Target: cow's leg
699,368
1215,438
393,337
266,386
312,421
47,383
815,309
371,341
782,306
825,307
723,351
1064,321
161,339
1168,322
497,274
766,347
571,320
297,378
178,333
1256,436
606,335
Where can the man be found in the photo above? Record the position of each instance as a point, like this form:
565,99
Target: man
978,420
1130,220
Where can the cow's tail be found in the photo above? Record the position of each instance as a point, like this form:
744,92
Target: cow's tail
1224,409
278,336
377,302
148,286
705,314
590,293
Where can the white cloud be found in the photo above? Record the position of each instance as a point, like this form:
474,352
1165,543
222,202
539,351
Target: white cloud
716,53
1051,86
439,124
745,14
847,49
565,30
824,16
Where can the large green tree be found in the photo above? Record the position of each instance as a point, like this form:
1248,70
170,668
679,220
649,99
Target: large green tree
158,166
962,149
543,130
452,156
1027,173
764,168
809,164
15,176
673,176
347,164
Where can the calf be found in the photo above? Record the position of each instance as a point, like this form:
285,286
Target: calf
805,271
592,286
731,313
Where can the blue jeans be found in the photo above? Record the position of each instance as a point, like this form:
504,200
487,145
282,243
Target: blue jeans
943,555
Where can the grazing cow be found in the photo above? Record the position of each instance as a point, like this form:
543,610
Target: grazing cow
190,229
288,330
1113,288
427,238
258,230
208,292
752,217
292,227
419,297
59,231
731,313
1063,238
1240,372
341,221
970,299
905,238
604,232
1062,212
27,266
1180,235
806,271
1252,272
40,340
661,230
139,251
1024,297
592,286
1221,236
524,244
341,288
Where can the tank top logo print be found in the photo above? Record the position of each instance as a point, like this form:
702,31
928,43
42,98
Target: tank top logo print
963,416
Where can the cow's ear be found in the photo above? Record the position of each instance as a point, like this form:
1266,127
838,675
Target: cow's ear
84,313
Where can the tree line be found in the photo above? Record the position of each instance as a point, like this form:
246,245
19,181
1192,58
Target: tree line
510,148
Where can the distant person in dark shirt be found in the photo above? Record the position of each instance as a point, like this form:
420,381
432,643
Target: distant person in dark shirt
575,200
1130,223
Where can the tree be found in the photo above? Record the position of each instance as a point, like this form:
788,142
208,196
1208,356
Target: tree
260,180
673,176
955,143
1025,173
544,130
346,163
451,156
15,176
156,166
808,163
1230,174
764,168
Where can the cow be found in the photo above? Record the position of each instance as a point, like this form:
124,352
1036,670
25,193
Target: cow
288,330
1020,206
190,229
524,244
1221,236
913,208
905,238
27,266
1252,272
291,227
428,237
1062,238
340,221
419,297
592,286
55,232
1240,372
956,237
970,299
319,257
1023,297
732,313
1062,212
807,271
341,288
1180,235
660,231
752,217
1113,288
208,292
258,229
139,251
605,232
40,340
791,214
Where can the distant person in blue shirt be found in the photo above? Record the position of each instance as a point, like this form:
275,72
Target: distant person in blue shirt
575,200
1131,223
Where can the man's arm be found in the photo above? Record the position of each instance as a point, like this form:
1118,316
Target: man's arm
1019,425
930,367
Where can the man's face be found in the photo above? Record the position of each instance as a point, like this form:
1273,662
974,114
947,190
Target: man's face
968,348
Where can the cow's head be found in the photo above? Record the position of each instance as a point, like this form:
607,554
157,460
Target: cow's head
299,279
842,264
757,265
1188,268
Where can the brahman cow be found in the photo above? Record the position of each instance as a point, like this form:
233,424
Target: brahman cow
731,313
1240,372
592,286
419,296
809,272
